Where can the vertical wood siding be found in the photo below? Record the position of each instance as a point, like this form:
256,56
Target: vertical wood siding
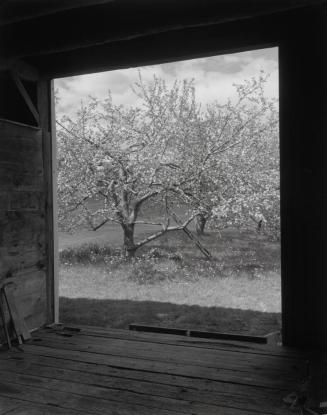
22,218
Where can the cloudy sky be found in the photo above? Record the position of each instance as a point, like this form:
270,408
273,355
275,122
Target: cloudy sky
214,78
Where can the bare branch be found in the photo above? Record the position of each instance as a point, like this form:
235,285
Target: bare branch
163,231
141,222
144,198
95,228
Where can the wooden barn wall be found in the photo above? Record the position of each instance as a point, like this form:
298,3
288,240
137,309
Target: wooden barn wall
23,218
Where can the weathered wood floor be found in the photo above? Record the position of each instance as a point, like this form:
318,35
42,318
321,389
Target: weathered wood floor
97,371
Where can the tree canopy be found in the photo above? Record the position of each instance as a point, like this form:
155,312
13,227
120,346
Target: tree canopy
220,161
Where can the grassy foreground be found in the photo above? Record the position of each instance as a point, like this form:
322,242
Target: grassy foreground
171,284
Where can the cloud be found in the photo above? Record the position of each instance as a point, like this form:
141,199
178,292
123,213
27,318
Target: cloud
214,78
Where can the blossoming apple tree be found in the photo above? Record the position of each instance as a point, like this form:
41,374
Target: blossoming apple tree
219,162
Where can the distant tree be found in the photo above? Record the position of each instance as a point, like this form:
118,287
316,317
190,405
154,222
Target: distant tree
114,159
231,163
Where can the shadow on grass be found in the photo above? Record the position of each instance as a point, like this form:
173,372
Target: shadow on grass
120,313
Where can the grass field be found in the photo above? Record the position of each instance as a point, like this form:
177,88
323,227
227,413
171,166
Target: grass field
170,283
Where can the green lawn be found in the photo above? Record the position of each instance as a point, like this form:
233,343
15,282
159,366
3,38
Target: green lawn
171,284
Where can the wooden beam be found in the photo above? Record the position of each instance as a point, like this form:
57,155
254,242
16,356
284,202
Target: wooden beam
53,234
21,68
157,329
26,97
45,107
25,71
303,149
164,47
202,334
115,21
16,10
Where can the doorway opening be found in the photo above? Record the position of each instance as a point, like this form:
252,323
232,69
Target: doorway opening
168,195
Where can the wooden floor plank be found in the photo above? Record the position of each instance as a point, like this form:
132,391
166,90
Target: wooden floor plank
68,400
270,401
183,341
262,369
214,387
104,394
26,408
57,394
174,350
96,371
271,361
41,410
234,376
7,405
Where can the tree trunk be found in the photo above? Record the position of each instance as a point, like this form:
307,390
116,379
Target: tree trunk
200,223
259,225
129,245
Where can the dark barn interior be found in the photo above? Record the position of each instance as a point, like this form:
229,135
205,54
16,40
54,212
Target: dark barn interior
84,370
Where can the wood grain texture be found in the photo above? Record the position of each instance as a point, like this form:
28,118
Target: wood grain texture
8,405
94,374
111,333
168,352
242,374
22,218
45,100
166,386
32,409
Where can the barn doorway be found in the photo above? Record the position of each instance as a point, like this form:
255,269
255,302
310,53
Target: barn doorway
168,195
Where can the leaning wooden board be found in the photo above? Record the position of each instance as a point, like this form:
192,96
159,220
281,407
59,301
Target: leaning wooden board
17,319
